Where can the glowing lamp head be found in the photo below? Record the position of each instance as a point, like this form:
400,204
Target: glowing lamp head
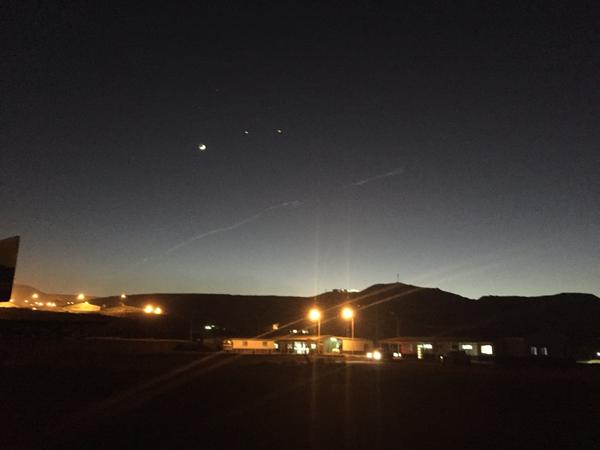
149,309
81,297
314,315
123,296
35,296
377,355
158,310
347,313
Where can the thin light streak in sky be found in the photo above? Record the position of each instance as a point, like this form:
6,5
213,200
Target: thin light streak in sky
286,204
252,218
381,176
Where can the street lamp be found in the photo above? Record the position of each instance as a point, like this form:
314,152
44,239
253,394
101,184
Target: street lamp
315,316
348,314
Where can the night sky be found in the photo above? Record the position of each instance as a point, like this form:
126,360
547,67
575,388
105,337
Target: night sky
449,144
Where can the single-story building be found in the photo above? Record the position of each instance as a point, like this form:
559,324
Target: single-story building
249,345
541,345
423,347
326,344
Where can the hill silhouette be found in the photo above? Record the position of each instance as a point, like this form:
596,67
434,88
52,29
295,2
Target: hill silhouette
383,310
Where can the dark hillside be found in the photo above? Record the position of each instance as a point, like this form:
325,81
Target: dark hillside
382,310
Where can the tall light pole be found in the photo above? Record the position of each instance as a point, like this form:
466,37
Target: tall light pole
314,315
348,314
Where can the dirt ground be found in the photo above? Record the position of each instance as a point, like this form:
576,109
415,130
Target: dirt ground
75,399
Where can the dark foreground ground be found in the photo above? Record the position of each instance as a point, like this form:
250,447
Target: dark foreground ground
105,400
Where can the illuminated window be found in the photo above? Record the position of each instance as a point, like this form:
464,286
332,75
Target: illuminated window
487,349
427,346
467,347
544,351
533,351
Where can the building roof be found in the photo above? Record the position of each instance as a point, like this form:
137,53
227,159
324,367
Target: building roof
312,337
82,308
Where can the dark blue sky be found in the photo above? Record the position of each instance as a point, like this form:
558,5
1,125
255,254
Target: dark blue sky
453,144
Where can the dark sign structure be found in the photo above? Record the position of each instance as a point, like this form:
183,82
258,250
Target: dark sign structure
8,262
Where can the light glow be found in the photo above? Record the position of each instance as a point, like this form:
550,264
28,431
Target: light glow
377,355
81,297
467,347
370,355
314,315
149,309
427,346
158,310
347,313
